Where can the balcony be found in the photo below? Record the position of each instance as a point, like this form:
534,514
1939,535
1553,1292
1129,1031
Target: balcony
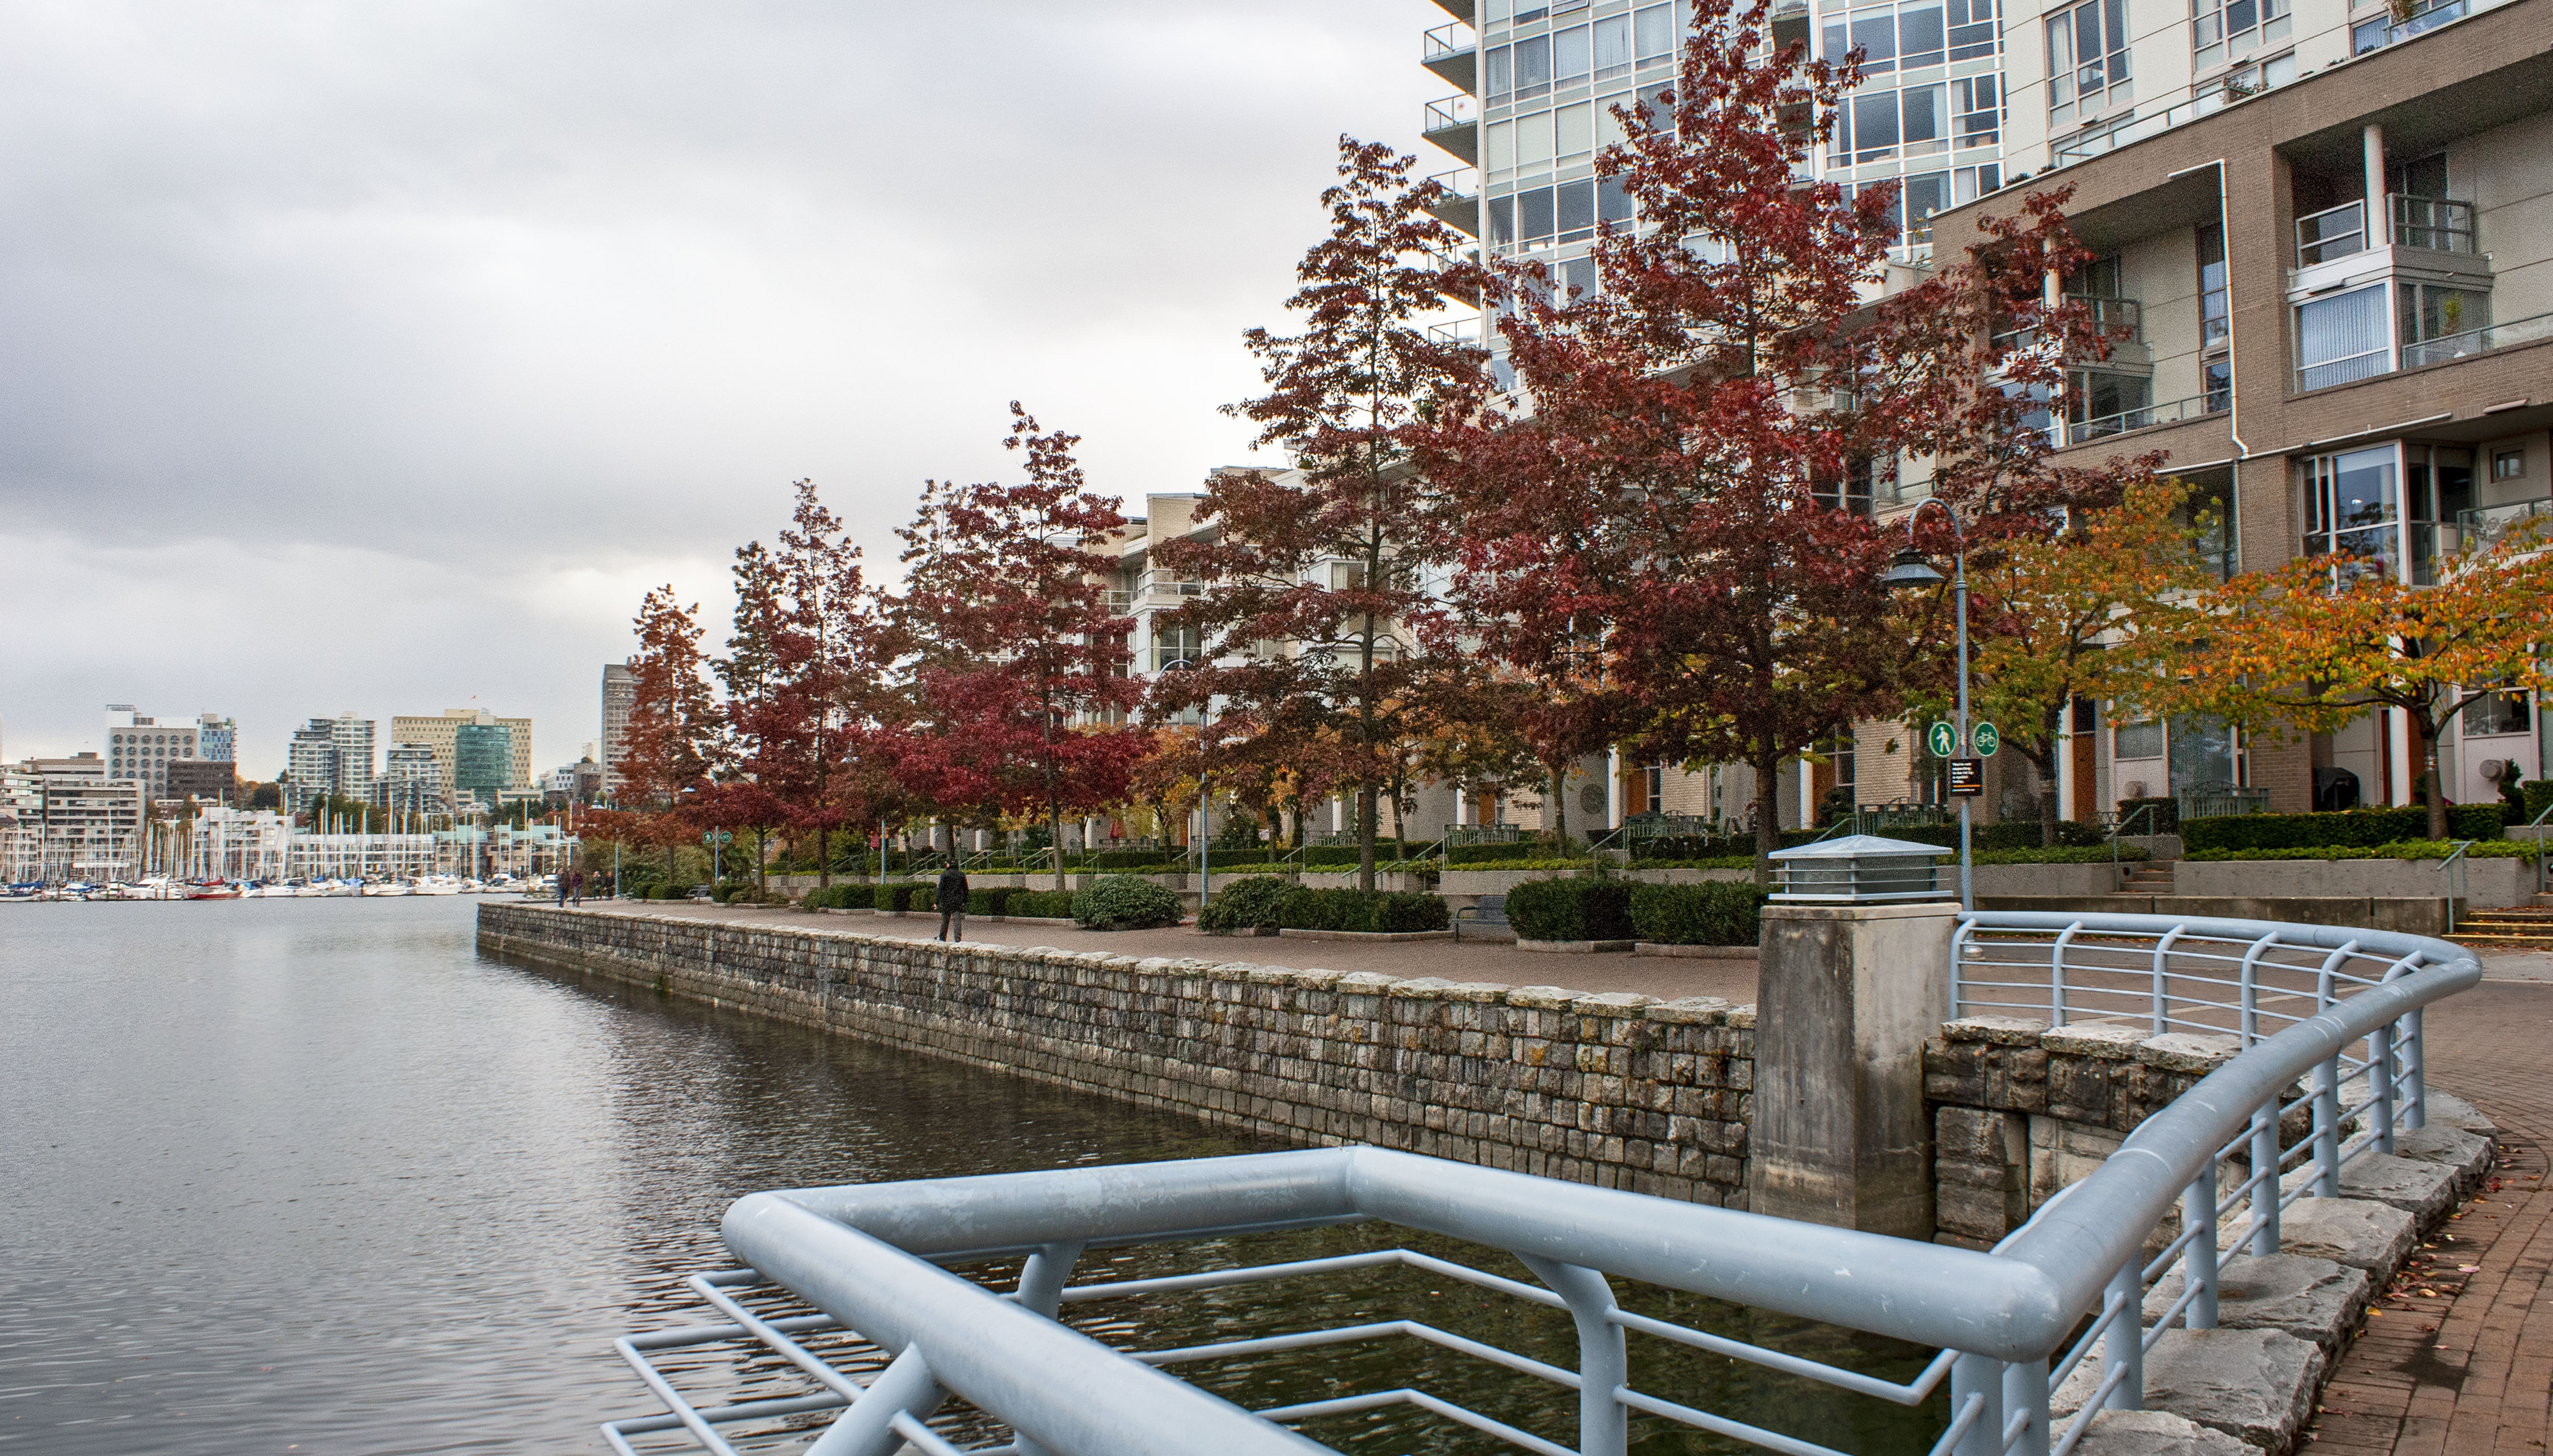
2479,341
2385,30
1459,9
2479,529
1450,123
1460,208
1453,53
2432,224
2144,417
2122,318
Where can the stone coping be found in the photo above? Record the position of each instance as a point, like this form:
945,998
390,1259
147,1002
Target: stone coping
1628,1005
2104,1040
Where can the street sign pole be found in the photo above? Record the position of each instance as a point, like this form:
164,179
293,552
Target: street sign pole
1960,593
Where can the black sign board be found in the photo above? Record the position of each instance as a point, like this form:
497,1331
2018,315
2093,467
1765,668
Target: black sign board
1968,777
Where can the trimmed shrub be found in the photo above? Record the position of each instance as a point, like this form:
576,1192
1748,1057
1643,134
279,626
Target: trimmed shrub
905,895
1406,912
1241,904
2358,828
1134,858
1715,912
2539,794
1535,848
1125,902
1571,909
1040,904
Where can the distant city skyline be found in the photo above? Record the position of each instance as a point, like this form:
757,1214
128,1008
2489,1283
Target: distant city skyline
376,358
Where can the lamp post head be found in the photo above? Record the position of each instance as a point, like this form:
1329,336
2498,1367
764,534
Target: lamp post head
1910,569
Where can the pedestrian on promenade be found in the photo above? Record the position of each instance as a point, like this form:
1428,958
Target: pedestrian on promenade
580,889
562,889
952,897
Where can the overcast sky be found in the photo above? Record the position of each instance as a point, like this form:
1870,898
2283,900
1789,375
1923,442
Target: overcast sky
378,356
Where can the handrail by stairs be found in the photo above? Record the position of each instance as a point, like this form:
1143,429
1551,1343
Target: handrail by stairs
2456,879
2119,831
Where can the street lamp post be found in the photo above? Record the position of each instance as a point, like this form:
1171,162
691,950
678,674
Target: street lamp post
1910,570
1205,821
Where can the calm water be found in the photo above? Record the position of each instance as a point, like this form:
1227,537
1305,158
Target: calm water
313,1175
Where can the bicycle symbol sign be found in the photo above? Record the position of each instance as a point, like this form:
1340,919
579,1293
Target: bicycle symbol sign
1988,738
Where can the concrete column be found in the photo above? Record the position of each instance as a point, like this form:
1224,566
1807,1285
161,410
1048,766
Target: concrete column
1846,999
2380,217
1613,788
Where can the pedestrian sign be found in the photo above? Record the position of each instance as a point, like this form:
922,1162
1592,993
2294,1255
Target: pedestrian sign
1986,738
1943,739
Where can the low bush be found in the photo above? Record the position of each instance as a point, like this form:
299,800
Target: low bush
1716,913
1365,912
903,895
2407,850
2539,796
2358,828
990,901
1132,859
1125,902
853,895
1040,904
2165,819
1241,904
1585,909
1533,849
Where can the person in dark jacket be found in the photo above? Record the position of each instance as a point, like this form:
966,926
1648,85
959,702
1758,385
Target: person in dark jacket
952,896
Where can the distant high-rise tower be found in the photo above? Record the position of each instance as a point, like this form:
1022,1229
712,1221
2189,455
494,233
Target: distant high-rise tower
619,692
140,749
330,755
217,739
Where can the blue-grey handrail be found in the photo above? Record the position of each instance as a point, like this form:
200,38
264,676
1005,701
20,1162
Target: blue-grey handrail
2120,830
2453,867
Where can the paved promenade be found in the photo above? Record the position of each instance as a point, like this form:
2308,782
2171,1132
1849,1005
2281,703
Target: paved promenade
2459,1361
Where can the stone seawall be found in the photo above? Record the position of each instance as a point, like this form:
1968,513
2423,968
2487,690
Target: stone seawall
1619,1090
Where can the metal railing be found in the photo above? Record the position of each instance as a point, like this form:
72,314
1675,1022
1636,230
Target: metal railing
2222,802
2334,232
2119,831
2478,341
1448,113
2458,886
2434,223
2122,314
857,1279
1452,38
2144,417
2478,529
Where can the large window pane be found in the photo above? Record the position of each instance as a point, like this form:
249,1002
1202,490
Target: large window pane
1577,129
1534,66
1577,207
2203,752
2061,60
2364,491
1613,203
1533,214
1874,35
1874,126
1502,221
1925,127
1926,194
1500,152
1569,57
1918,38
1656,31
1533,141
1501,69
1612,46
2341,338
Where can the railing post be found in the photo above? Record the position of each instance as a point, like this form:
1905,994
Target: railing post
866,1430
2199,1258
1604,1363
2025,1394
1980,1375
2379,1084
2123,1344
2057,976
2163,981
2326,1122
1041,1288
2264,1176
2414,1052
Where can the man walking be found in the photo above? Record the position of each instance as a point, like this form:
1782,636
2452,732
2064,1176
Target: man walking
952,897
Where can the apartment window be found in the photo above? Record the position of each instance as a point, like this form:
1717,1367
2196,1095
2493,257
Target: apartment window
2498,713
2341,338
1614,47
2137,740
1974,33
1976,107
2431,311
2215,315
2508,465
2229,28
2353,507
2249,80
1571,57
2103,404
1654,33
1577,278
2087,53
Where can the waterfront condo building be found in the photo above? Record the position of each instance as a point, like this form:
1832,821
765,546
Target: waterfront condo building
412,780
65,818
140,749
2323,227
482,759
329,755
441,733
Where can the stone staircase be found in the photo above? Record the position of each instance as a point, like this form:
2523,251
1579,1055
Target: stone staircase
2529,926
2148,877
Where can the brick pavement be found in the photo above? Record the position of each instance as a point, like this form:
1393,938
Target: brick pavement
2457,1359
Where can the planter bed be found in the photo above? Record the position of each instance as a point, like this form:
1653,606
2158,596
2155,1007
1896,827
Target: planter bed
1576,948
1694,953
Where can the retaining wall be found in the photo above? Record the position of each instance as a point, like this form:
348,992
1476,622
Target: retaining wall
1619,1090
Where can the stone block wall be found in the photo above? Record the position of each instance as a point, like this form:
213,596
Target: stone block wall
2021,1110
1618,1090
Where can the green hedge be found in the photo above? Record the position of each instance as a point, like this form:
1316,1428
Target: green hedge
1041,904
1535,848
852,896
1719,912
907,895
2362,828
2539,794
1125,902
2407,850
1571,909
2165,819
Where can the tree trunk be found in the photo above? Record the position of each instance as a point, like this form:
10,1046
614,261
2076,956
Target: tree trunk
2425,742
1365,836
1558,815
1055,839
1768,810
823,857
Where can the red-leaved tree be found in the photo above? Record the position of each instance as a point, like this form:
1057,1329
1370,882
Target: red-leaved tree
1686,471
1018,658
674,721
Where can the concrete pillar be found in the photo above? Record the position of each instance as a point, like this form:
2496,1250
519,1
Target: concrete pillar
2380,217
1846,999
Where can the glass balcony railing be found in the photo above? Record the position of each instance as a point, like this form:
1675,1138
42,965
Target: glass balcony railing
1449,113
2196,406
2478,341
1446,42
2124,317
2480,529
2334,232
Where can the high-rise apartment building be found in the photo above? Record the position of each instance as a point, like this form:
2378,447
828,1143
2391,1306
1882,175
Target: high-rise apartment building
140,749
483,756
412,780
619,692
438,733
216,738
330,755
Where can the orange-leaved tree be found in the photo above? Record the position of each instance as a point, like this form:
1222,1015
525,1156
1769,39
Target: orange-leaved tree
2316,644
674,722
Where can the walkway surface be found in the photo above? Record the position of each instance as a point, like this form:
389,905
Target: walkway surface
2458,1360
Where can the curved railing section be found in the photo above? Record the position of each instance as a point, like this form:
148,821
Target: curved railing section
862,1269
